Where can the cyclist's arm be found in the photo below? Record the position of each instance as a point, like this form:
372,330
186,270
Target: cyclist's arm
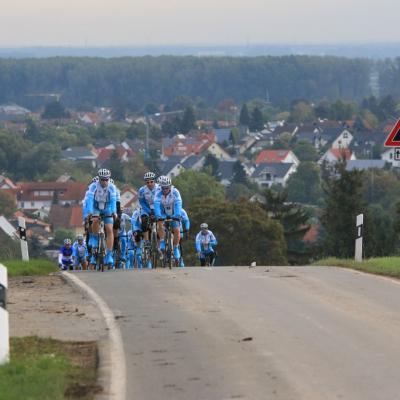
198,244
177,204
143,202
89,202
157,207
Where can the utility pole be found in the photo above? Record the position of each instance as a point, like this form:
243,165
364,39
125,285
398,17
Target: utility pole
4,328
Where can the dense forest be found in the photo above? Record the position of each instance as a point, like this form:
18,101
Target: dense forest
136,81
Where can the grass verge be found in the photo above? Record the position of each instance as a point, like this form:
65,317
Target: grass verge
47,369
33,267
387,266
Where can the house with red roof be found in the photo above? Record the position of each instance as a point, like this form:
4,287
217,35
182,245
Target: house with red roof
104,154
8,186
66,217
41,195
334,155
277,156
184,145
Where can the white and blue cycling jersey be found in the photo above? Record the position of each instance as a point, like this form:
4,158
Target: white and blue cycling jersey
136,220
146,198
123,224
99,200
205,242
169,205
185,222
79,252
65,255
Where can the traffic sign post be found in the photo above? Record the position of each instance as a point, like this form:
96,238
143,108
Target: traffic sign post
397,154
22,236
359,237
393,140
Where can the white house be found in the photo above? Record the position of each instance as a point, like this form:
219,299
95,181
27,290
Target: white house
388,156
268,174
343,140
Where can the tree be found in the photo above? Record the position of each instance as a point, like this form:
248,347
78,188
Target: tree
257,121
305,151
211,164
294,219
188,120
55,110
239,174
304,186
7,204
238,191
302,112
343,203
244,118
193,185
115,165
32,131
244,232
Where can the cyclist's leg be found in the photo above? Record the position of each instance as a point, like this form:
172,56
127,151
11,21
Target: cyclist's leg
161,232
108,226
145,227
176,231
202,260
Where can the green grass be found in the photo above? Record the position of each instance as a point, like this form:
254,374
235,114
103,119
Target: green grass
30,268
388,266
42,369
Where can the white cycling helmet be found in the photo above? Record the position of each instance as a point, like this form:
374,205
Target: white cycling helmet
203,226
164,181
149,176
104,173
79,237
67,241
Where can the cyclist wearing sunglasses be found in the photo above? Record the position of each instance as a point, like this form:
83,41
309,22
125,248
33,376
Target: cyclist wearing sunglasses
168,204
146,200
101,201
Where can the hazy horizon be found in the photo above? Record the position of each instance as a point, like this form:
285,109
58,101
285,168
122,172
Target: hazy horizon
122,23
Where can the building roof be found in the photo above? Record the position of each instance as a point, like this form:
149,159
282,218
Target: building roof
222,135
272,156
66,191
68,217
365,164
278,170
225,170
7,183
7,228
78,153
191,160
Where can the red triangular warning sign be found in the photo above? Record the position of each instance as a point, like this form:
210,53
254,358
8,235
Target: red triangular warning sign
393,140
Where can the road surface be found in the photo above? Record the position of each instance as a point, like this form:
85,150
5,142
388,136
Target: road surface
256,333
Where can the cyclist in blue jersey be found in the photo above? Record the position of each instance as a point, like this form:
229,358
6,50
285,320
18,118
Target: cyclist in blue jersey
146,196
65,255
168,204
101,201
184,232
135,237
80,253
205,242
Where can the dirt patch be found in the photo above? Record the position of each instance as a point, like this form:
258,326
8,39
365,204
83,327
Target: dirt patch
49,307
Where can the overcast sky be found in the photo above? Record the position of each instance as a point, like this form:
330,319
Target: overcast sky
153,22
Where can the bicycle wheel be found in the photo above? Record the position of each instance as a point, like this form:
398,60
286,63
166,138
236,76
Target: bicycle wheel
102,251
154,249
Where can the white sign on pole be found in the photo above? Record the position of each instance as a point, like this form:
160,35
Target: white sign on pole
22,235
359,238
4,329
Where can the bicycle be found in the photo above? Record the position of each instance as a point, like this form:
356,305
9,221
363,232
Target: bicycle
100,252
168,256
153,245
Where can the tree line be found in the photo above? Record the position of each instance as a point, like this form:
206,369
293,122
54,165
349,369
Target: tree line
135,81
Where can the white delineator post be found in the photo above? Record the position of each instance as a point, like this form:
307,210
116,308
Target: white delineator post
359,238
22,236
4,330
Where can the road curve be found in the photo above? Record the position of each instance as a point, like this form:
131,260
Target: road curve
256,333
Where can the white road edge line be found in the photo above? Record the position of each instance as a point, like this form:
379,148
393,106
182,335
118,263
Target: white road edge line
117,388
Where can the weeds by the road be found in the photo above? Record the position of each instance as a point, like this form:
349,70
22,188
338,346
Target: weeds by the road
42,369
30,268
388,266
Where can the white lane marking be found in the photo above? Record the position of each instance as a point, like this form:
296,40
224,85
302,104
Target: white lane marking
117,355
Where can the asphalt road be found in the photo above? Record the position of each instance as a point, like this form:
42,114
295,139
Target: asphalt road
261,333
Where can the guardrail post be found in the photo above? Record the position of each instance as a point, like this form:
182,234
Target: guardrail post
22,236
4,330
359,239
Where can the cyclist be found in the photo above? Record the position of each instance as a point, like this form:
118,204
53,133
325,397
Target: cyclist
65,255
168,203
101,201
205,240
80,253
121,235
146,200
135,236
184,232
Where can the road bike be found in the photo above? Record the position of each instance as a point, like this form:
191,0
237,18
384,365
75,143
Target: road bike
168,253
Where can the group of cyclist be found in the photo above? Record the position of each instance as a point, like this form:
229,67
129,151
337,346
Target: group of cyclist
159,203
